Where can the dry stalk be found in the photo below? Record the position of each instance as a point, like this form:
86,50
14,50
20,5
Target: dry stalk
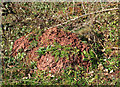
83,16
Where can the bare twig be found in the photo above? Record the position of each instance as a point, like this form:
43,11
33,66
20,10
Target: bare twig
83,16
71,20
111,54
87,23
115,48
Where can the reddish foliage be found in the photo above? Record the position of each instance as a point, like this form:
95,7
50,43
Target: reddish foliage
48,38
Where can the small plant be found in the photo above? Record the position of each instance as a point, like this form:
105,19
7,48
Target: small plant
34,43
59,51
41,51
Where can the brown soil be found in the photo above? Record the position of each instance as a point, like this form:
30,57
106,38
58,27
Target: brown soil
47,62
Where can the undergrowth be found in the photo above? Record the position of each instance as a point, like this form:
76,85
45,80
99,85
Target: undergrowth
101,34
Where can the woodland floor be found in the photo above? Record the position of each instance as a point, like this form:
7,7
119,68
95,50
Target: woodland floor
60,44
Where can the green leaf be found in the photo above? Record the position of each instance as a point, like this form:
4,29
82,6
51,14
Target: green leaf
53,53
86,54
41,51
77,50
48,48
81,53
59,46
56,59
67,57
57,53
63,52
85,59
91,53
